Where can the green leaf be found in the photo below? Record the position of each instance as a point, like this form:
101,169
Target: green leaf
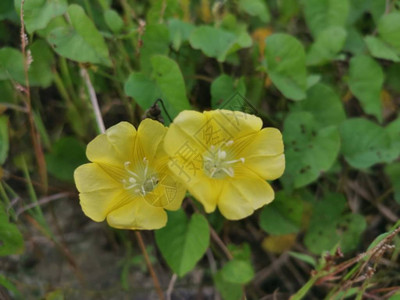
393,77
213,42
40,71
11,65
4,139
389,29
365,143
283,215
155,41
327,45
357,9
393,130
183,242
228,290
10,287
179,32
11,239
324,103
393,172
240,30
67,154
169,79
380,49
256,8
163,9
287,10
113,20
355,43
395,296
224,87
330,226
7,92
286,65
143,89
304,257
80,41
365,82
38,13
309,149
321,14
312,80
237,271
7,10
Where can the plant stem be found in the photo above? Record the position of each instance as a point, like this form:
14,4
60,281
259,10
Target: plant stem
34,135
149,266
93,100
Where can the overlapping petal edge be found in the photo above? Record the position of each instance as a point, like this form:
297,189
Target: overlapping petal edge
128,181
225,157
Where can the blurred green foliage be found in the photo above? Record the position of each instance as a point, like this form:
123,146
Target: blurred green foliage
325,72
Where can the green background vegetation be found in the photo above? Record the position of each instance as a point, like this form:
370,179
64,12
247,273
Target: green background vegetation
325,72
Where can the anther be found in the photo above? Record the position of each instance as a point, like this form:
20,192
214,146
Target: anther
221,154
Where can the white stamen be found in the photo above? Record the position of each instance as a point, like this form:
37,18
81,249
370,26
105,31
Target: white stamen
126,165
229,171
235,161
221,154
229,143
146,162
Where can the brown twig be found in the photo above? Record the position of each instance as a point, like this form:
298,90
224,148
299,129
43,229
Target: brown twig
220,243
149,266
42,201
34,134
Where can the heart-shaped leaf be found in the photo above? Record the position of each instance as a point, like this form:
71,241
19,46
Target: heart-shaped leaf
183,242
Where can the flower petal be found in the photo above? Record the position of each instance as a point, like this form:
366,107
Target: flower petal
267,167
150,134
168,194
97,204
113,147
206,191
241,197
267,142
137,215
91,177
235,123
185,130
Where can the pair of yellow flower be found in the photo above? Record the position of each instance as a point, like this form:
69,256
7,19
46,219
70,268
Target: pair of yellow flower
222,157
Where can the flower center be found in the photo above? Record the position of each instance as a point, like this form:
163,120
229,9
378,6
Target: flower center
218,163
142,180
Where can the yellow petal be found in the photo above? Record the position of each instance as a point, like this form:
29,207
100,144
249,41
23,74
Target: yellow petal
183,143
91,177
234,123
137,215
169,193
267,167
113,147
206,191
267,142
97,204
185,132
177,202
150,134
241,197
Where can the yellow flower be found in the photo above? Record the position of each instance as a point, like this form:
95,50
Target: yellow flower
128,181
225,157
